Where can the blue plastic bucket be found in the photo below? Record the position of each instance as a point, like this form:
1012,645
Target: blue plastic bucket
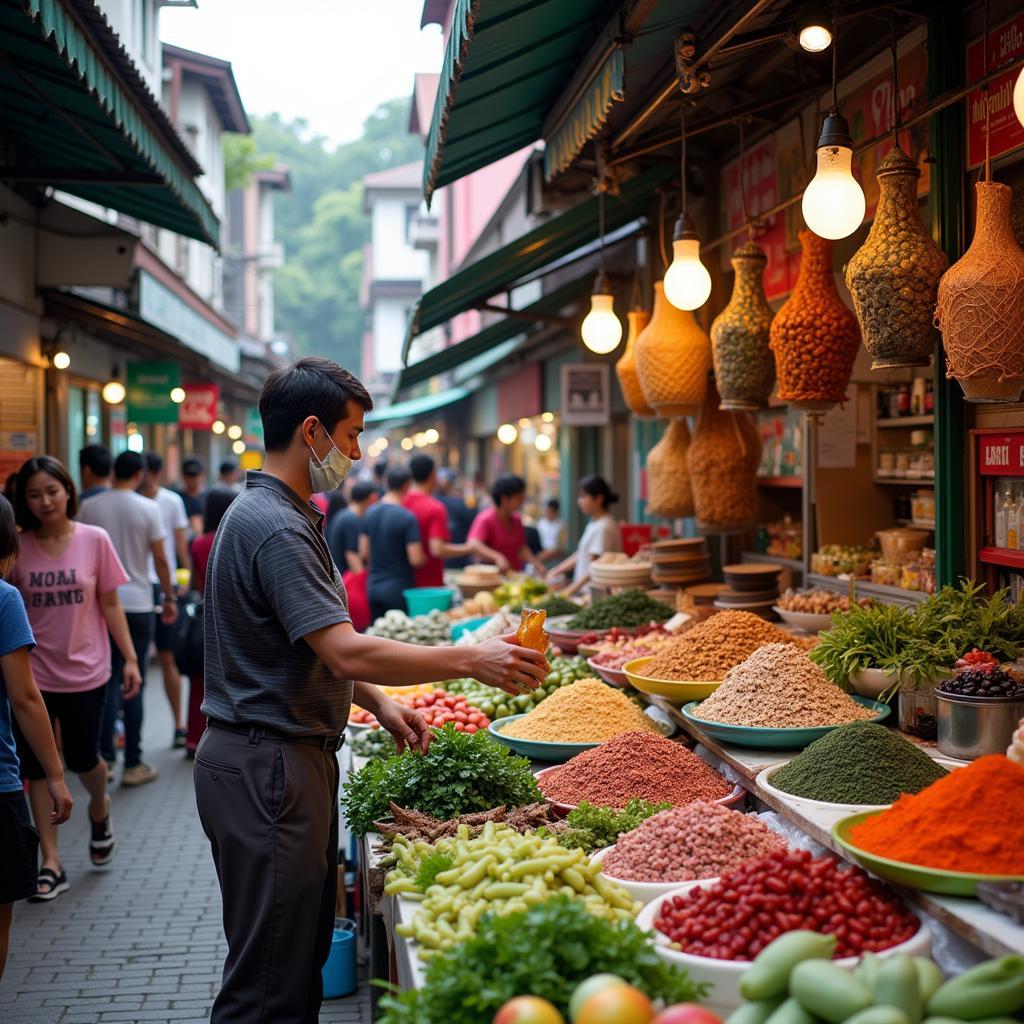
458,628
339,973
422,600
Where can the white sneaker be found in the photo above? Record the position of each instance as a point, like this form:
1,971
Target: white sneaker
138,775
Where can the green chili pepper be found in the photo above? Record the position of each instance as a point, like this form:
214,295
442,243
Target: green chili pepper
791,1012
879,1015
768,975
988,990
929,976
828,991
897,985
755,1013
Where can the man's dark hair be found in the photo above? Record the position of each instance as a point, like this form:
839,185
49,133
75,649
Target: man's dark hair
362,490
127,465
192,466
154,463
508,485
554,504
228,466
420,468
397,478
312,386
96,457
9,541
52,467
217,501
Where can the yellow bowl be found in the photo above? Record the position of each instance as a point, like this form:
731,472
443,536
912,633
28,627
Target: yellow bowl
675,691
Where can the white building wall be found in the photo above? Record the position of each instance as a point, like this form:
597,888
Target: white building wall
137,23
389,321
394,259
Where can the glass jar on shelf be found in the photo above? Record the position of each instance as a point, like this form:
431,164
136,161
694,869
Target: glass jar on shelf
910,576
886,573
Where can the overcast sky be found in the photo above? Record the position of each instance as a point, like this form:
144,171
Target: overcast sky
329,61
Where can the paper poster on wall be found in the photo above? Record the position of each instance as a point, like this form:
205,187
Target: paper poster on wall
1005,42
586,395
837,437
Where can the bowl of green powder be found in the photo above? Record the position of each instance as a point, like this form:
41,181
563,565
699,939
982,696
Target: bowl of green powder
860,766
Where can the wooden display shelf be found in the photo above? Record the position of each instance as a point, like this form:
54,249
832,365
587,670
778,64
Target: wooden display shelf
796,564
1009,558
890,422
865,588
795,482
904,481
994,933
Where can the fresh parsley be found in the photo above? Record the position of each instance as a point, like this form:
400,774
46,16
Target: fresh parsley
592,828
430,867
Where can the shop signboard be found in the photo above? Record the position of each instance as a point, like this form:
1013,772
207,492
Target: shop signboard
199,410
253,428
16,446
1001,454
149,392
1005,42
586,395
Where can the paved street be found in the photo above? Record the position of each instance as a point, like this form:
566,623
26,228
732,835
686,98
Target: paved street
140,941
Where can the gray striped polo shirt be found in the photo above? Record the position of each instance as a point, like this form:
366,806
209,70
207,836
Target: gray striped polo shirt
271,580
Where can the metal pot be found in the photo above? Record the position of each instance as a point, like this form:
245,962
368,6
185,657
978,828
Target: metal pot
970,727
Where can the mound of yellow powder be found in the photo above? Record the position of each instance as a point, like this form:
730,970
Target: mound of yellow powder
587,711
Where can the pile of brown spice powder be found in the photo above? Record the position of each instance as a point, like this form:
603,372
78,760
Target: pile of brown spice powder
634,765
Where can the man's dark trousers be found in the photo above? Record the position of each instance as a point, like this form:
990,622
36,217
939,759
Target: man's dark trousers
270,810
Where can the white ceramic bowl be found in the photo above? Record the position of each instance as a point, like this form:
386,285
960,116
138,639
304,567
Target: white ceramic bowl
723,976
643,892
806,621
872,682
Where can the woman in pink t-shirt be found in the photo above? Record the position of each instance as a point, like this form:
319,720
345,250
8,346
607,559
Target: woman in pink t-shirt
68,574
497,534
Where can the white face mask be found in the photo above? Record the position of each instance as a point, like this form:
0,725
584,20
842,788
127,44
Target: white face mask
328,474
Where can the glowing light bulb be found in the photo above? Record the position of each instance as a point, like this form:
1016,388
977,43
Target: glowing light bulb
218,426
507,433
238,447
431,436
833,203
407,444
177,395
113,392
815,38
687,282
234,432
542,442
1018,97
548,417
382,443
601,329
61,360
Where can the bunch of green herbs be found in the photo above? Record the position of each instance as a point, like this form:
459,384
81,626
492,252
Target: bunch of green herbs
592,828
625,610
544,951
460,773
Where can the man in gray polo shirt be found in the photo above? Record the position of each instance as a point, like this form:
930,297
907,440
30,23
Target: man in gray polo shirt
281,654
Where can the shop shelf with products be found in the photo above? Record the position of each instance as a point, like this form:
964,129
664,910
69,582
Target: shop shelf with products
997,458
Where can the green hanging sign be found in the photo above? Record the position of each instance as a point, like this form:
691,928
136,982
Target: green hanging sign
253,426
149,388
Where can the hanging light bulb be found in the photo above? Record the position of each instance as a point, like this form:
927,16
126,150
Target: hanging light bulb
508,433
543,442
218,426
1018,97
601,329
812,28
833,203
114,391
177,395
61,360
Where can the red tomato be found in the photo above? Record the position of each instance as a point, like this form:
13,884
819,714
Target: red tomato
618,1004
528,1010
461,716
686,1013
470,728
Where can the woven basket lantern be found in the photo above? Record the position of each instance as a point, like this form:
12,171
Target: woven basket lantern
625,368
893,277
668,478
723,460
744,366
814,336
980,307
673,358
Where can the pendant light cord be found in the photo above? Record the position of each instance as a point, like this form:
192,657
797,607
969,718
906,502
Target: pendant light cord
662,248
602,184
682,163
985,93
835,55
895,82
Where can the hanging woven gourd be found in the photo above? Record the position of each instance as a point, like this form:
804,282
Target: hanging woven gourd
723,459
625,368
744,365
669,492
893,277
814,336
673,357
980,307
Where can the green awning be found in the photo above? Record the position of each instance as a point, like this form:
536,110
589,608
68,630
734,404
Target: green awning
505,64
417,406
493,337
537,249
77,116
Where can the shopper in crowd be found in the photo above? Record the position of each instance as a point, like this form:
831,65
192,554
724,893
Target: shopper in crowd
230,476
552,531
389,543
21,702
68,574
95,466
432,516
137,530
11,488
281,654
460,515
192,492
602,533
175,519
497,534
342,530
217,501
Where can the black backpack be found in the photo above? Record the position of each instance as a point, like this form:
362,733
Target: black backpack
188,651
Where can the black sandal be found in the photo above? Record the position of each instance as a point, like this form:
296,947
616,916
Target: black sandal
101,845
50,885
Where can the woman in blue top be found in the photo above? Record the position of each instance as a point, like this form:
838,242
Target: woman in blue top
18,694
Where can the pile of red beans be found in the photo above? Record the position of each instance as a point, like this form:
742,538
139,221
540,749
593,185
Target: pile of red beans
753,905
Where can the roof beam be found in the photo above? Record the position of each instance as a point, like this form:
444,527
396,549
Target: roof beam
77,176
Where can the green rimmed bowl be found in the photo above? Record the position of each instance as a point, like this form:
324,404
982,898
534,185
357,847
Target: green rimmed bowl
536,750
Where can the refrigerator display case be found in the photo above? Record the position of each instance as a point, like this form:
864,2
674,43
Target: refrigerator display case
999,508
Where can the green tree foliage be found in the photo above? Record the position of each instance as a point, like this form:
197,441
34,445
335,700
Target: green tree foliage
241,160
323,227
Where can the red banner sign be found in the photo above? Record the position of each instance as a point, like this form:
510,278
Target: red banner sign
1004,43
199,410
1001,454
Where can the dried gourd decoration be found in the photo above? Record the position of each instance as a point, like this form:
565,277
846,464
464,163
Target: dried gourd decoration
740,336
625,368
894,276
723,459
814,336
669,493
980,307
673,359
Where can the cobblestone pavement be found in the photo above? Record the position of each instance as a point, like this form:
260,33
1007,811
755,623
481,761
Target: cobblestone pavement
140,941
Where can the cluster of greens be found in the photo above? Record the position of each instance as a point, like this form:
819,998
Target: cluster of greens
918,645
375,744
459,774
592,828
553,604
545,951
625,610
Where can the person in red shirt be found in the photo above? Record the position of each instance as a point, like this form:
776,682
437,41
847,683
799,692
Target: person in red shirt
497,534
432,516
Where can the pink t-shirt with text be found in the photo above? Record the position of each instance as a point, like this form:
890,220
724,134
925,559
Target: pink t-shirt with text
72,652
507,540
